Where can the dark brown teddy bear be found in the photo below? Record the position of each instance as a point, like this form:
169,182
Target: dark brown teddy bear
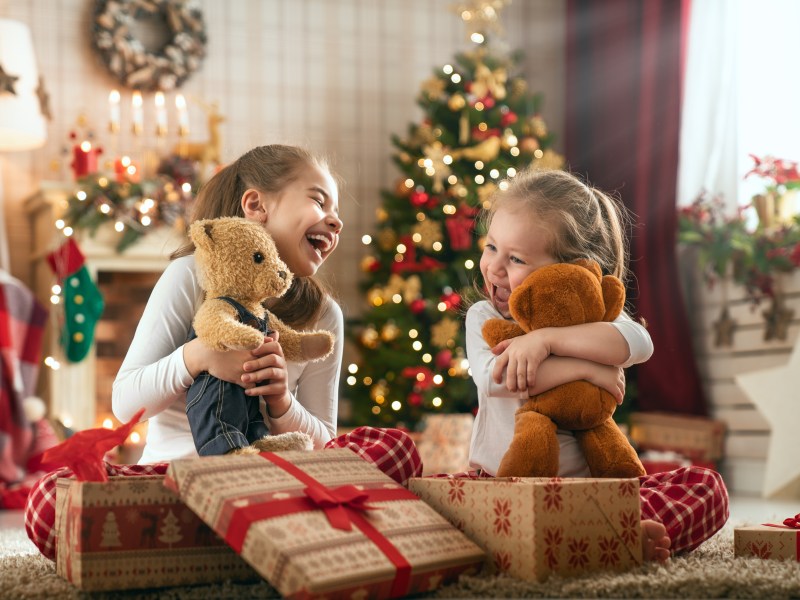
560,295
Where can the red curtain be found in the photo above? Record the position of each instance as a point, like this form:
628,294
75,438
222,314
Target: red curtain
622,125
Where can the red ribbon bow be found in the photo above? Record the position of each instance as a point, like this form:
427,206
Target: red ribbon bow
790,523
335,501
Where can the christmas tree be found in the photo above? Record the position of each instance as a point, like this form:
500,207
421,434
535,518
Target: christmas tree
481,126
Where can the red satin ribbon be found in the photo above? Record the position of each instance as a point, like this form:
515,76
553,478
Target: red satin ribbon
342,506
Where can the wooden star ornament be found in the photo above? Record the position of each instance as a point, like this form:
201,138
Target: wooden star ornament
7,82
724,328
777,318
774,392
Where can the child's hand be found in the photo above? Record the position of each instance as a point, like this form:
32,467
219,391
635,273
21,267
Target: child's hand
611,379
265,374
225,365
520,358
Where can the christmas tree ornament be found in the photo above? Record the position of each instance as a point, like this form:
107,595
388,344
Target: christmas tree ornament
456,102
489,83
369,337
81,300
537,127
430,233
417,306
778,318
433,87
481,16
486,151
443,332
548,160
724,328
7,82
437,164
370,264
390,331
529,145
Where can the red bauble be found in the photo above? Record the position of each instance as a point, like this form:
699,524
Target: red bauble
451,300
418,199
488,102
443,359
508,118
415,399
417,306
480,136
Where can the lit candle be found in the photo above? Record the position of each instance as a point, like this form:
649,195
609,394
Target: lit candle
113,105
183,115
161,115
138,113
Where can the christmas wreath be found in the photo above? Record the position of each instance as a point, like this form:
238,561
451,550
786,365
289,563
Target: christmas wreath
126,56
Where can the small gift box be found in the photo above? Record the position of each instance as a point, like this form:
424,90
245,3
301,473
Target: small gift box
324,523
531,528
699,439
444,443
132,532
769,540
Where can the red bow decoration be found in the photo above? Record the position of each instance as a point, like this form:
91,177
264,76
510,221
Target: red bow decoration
790,523
334,501
83,452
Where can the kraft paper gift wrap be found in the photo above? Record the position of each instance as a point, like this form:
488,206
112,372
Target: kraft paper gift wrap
767,541
132,532
324,523
531,528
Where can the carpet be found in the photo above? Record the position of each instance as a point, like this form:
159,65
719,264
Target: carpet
711,571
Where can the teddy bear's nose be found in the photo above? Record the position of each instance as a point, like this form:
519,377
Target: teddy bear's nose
282,274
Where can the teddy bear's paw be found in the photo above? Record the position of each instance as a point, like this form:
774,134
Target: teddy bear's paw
246,451
293,440
317,345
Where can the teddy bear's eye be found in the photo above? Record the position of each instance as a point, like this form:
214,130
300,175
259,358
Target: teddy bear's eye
258,258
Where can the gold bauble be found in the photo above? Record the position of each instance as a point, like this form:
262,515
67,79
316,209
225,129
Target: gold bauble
401,189
367,262
381,215
390,331
456,102
529,145
387,239
369,338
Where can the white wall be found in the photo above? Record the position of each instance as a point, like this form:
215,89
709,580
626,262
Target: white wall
337,76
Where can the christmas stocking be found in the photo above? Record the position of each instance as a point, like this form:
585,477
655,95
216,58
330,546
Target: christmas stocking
81,299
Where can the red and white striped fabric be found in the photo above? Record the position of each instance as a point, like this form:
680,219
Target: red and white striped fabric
391,450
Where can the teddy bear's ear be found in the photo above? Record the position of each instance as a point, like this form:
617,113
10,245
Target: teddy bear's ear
613,296
200,233
589,265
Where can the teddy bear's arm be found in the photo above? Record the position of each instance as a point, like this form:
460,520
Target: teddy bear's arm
217,325
301,346
613,296
496,330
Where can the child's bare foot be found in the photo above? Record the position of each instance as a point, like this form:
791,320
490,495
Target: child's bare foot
655,541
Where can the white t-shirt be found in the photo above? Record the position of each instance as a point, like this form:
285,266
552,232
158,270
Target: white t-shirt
154,376
494,424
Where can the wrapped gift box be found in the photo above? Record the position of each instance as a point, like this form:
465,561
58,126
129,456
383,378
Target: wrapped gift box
534,527
444,443
324,523
699,439
764,541
132,532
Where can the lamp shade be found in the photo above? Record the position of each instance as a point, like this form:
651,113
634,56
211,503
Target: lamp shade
22,125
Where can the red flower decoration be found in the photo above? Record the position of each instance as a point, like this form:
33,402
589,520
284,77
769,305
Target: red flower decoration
456,491
578,553
629,522
609,551
552,495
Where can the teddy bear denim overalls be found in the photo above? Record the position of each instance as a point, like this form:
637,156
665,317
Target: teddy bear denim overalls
222,417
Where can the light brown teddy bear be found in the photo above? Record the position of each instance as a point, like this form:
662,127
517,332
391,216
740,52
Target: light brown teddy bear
238,266
560,295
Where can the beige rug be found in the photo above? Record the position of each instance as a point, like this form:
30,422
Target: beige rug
709,572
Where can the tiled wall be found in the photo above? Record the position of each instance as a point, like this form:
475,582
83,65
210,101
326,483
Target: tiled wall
338,76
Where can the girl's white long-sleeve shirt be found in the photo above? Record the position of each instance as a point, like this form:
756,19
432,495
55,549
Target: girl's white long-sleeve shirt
494,424
154,376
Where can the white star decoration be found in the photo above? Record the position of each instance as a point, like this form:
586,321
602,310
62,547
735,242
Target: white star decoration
775,394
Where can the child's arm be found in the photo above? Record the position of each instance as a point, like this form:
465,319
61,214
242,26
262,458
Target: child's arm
552,371
621,343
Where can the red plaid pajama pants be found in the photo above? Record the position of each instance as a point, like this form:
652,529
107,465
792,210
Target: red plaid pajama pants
391,450
691,502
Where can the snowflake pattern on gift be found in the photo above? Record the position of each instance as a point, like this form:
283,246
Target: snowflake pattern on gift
138,487
553,536
502,514
552,495
628,488
578,552
629,523
609,551
456,492
761,549
502,561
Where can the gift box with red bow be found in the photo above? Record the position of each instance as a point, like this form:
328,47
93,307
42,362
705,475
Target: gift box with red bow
770,540
324,524
132,532
532,528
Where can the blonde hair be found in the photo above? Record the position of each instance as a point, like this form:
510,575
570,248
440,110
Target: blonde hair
584,222
268,169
